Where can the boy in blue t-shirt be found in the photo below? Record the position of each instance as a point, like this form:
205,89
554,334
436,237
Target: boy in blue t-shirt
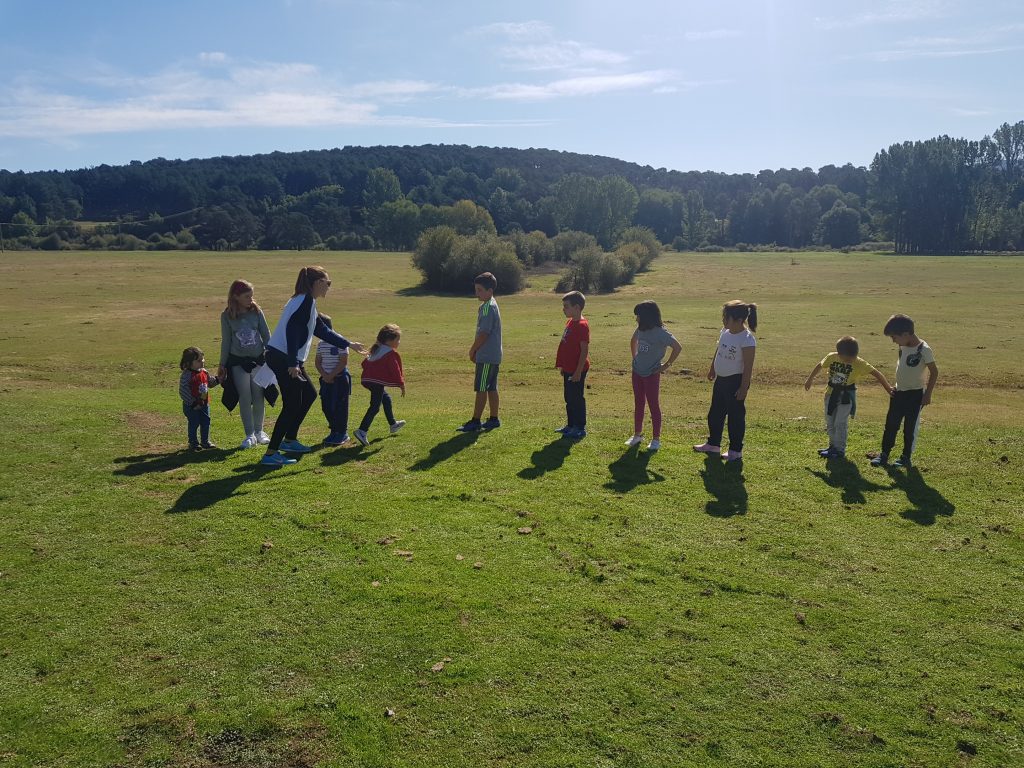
486,354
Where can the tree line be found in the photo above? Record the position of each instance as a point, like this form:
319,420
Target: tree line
938,195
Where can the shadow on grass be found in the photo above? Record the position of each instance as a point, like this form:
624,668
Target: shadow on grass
340,456
843,474
443,451
928,503
204,495
165,462
547,459
724,481
630,470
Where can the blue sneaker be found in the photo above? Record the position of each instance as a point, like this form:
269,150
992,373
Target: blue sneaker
473,425
333,440
492,423
576,433
294,446
276,460
564,430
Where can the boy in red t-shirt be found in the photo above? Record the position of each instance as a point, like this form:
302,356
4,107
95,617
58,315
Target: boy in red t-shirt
573,362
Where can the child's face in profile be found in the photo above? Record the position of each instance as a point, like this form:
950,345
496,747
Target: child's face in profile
482,293
568,308
198,363
903,339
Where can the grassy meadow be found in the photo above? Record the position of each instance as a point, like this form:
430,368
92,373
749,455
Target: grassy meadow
508,598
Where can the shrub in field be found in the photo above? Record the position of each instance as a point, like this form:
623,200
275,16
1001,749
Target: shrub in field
531,248
449,261
649,245
565,244
51,242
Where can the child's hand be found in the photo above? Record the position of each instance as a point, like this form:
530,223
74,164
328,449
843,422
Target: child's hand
472,355
926,400
741,393
711,374
403,390
221,371
807,386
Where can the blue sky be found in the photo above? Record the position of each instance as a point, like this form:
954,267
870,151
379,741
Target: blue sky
718,85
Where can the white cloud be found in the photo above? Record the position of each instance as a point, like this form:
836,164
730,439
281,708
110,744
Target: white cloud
572,86
894,12
533,45
213,57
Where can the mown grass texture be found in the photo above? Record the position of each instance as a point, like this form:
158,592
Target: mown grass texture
162,608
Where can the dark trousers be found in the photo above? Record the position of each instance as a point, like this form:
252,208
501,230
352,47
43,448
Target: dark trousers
904,409
575,400
198,424
297,396
378,397
724,405
334,400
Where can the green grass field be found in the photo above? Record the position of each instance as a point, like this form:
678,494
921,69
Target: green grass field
165,609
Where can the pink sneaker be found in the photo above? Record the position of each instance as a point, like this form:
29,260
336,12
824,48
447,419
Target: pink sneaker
732,455
707,448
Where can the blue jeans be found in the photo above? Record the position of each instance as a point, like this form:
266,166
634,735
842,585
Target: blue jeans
198,421
378,397
334,400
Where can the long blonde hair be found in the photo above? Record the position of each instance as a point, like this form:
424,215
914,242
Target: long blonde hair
389,332
237,289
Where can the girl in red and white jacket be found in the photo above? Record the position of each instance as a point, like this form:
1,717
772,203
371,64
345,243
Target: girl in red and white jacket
382,368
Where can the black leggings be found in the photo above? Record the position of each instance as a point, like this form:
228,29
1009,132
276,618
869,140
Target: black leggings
378,397
725,405
297,396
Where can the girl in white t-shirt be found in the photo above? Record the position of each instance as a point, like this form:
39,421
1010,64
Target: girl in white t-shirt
731,370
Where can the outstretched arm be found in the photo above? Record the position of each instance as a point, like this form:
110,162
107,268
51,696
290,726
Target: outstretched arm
810,377
880,377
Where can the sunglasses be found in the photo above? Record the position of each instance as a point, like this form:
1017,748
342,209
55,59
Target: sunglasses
326,281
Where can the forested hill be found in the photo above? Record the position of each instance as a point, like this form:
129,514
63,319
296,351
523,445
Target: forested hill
941,194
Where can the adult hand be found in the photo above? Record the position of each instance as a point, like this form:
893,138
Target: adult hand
295,373
358,347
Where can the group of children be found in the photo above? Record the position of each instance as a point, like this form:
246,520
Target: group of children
731,370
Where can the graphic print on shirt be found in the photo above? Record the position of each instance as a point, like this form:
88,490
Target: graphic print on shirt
248,337
839,373
642,346
727,351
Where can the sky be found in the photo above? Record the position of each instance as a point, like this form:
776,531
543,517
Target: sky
718,85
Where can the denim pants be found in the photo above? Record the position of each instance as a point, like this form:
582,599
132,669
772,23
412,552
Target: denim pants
334,399
198,421
378,397
575,400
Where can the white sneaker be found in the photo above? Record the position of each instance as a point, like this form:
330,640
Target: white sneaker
732,455
249,442
397,426
635,440
654,445
263,438
707,448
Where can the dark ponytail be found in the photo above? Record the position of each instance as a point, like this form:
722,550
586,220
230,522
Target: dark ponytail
740,310
307,279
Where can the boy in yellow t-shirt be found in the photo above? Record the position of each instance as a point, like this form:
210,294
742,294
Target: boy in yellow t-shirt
845,369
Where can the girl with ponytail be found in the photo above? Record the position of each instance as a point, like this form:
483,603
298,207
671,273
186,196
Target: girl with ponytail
286,355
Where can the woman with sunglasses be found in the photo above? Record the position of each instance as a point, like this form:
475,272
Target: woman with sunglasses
286,354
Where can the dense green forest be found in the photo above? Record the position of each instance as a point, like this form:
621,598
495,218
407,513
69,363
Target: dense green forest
940,195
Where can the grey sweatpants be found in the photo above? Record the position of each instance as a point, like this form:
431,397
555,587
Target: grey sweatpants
838,423
250,400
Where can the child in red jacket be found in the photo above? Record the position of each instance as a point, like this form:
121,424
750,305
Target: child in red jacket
382,368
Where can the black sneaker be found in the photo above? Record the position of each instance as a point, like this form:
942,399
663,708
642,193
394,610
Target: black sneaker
881,460
903,461
473,425
823,452
492,423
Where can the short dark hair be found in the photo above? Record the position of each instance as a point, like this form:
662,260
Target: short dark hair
848,346
575,298
648,315
190,355
487,280
898,324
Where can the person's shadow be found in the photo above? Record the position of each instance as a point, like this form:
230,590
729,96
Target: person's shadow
204,495
445,450
630,470
724,482
547,459
927,502
339,456
841,473
165,462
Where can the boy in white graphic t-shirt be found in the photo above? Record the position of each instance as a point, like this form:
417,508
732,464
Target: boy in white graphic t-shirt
911,394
